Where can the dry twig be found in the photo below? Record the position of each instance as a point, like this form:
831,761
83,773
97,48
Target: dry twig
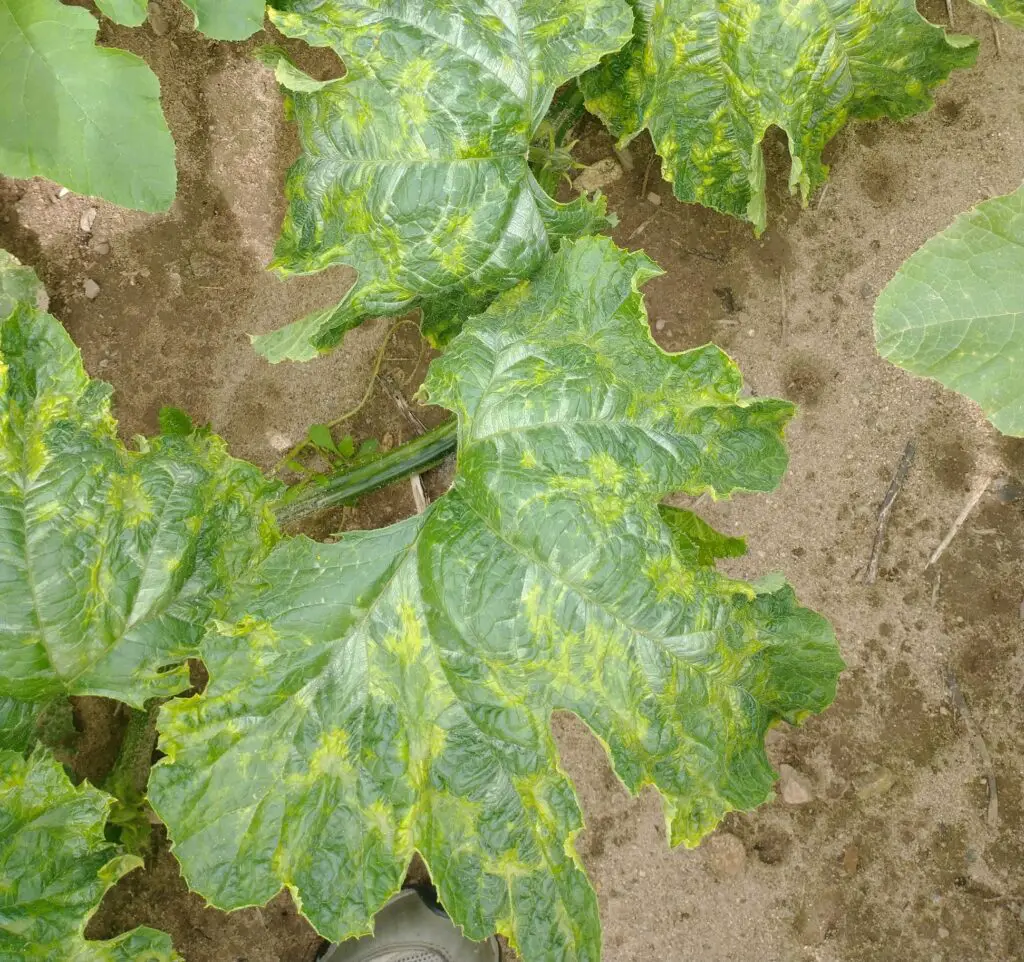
402,404
418,494
785,306
647,176
972,500
960,703
949,12
895,486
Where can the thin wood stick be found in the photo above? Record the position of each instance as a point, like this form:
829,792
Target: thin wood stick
895,486
949,12
785,306
402,404
960,703
418,494
995,36
972,500
647,177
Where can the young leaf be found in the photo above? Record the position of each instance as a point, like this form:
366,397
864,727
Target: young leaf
955,310
415,166
129,12
87,117
709,77
392,692
110,560
1012,11
347,446
56,866
227,19
320,435
175,421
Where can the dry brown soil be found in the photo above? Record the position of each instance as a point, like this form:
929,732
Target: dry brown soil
895,857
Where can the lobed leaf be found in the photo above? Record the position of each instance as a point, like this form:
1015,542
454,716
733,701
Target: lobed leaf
709,77
55,866
110,560
392,692
87,117
955,310
415,166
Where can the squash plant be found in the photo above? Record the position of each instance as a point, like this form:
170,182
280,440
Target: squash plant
955,310
392,692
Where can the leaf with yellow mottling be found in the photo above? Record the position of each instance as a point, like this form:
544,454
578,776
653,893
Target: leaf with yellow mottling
709,77
55,866
415,166
110,560
548,578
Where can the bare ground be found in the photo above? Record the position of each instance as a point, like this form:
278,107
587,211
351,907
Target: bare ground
896,856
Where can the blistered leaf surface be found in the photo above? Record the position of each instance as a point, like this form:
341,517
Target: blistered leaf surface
392,692
955,310
414,168
17,723
709,77
87,117
55,866
110,560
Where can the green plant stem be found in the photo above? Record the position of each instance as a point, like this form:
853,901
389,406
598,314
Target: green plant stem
343,487
127,779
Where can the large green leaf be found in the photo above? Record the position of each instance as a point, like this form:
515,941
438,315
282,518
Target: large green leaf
87,117
414,168
17,723
129,12
709,77
392,692
1012,11
110,560
227,19
55,866
955,310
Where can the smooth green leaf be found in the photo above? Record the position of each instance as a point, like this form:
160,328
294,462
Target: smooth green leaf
347,446
392,692
415,167
1012,11
709,77
227,19
955,310
175,421
87,117
55,866
369,446
320,435
17,723
129,12
110,559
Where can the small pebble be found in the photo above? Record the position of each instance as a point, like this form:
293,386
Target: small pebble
874,783
727,855
794,786
659,324
102,248
62,193
943,933
87,219
851,859
653,198
91,288
158,20
598,175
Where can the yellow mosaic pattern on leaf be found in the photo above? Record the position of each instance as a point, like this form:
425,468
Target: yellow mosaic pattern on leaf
709,77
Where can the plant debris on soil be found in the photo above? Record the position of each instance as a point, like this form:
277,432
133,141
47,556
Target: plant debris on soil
882,844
